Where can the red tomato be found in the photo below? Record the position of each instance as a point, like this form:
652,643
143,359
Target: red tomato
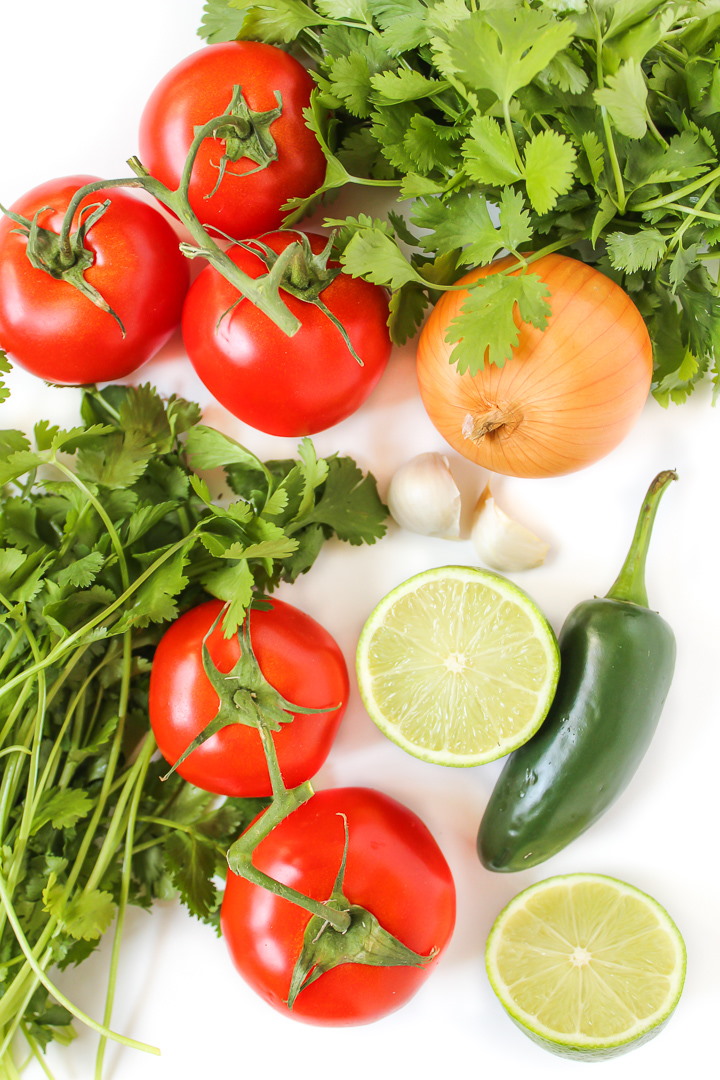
395,870
296,655
286,385
51,329
248,200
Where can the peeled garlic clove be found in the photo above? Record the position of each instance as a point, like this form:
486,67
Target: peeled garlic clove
424,498
501,542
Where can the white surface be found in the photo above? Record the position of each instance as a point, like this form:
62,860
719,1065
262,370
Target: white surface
74,75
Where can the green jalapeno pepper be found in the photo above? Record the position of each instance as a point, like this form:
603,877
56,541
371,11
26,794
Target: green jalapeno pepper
616,663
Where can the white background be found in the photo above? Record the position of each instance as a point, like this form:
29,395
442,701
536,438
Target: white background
74,75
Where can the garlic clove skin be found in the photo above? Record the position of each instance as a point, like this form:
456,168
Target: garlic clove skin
501,542
424,498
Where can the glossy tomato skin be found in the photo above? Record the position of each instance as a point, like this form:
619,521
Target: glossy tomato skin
296,655
395,870
48,327
286,385
200,88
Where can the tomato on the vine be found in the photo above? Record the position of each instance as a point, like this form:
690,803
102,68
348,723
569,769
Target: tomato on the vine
244,195
395,869
297,656
135,264
284,385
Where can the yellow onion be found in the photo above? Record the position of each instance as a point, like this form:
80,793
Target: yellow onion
568,395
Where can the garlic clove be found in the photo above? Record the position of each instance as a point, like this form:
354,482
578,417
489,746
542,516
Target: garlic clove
501,542
424,498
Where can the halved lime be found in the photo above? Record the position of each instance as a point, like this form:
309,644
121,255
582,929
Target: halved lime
457,666
586,965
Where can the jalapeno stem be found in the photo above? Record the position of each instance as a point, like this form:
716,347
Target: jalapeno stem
630,582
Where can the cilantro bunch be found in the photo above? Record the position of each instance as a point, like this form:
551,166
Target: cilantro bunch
107,532
587,126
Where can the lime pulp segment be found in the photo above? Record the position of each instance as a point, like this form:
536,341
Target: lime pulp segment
586,965
457,665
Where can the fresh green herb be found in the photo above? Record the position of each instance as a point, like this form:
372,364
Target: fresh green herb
5,367
107,532
588,126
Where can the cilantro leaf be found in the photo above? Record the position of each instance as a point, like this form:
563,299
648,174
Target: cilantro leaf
345,228
349,504
13,442
502,50
515,229
404,23
549,165
488,153
232,583
594,153
220,21
625,98
357,10
155,601
485,331
429,145
462,221
62,809
565,71
5,369
407,308
85,916
19,462
372,254
276,21
211,449
636,251
405,84
82,572
389,126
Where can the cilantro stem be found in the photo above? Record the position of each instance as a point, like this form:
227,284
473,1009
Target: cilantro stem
15,750
176,826
143,763
35,1051
680,232
43,978
72,709
522,260
694,211
102,514
678,193
621,198
102,401
511,135
68,643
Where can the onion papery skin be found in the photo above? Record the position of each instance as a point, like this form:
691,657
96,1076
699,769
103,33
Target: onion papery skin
568,395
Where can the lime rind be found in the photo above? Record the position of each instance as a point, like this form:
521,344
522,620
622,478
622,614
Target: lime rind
577,1045
509,649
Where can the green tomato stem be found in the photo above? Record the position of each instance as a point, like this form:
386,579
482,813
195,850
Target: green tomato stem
284,802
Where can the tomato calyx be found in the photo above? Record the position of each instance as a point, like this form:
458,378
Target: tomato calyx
364,941
64,255
246,134
245,696
305,275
